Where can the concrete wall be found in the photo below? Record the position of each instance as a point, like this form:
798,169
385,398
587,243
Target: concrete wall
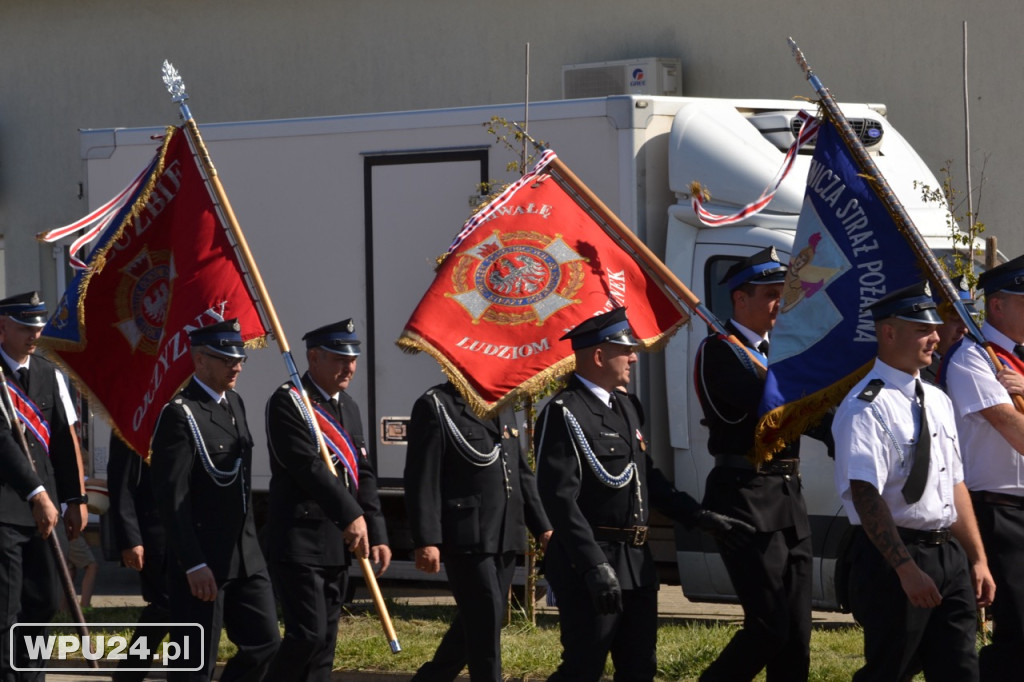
67,65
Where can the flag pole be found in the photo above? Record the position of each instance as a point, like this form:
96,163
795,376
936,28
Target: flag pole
899,214
66,582
604,215
176,87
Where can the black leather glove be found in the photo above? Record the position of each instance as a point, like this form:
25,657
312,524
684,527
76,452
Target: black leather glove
731,533
604,589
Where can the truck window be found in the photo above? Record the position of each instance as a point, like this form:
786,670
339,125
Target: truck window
716,296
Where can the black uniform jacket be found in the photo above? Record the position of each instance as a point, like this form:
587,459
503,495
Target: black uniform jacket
207,521
460,506
16,475
133,509
310,506
730,393
58,471
577,501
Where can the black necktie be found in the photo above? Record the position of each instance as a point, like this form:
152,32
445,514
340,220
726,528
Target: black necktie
914,487
23,378
336,409
616,405
227,406
763,347
1018,350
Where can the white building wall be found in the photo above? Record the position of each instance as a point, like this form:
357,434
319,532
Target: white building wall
66,65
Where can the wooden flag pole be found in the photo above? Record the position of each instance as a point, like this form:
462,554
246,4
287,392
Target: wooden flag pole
661,273
177,89
899,214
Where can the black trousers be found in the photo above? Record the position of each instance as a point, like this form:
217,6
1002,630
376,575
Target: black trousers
245,608
311,598
631,637
29,592
900,638
479,583
772,577
1002,532
153,586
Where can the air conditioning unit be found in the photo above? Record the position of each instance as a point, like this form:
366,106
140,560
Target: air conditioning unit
781,128
646,76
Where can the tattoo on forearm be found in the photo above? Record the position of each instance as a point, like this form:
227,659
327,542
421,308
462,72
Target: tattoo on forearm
878,524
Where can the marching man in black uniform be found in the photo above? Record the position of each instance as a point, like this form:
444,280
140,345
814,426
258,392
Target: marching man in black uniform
470,495
771,575
202,474
918,570
141,539
598,484
29,576
315,514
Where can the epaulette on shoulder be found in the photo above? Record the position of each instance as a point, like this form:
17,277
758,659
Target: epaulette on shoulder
872,390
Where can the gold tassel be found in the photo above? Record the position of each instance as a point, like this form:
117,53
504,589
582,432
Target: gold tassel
699,190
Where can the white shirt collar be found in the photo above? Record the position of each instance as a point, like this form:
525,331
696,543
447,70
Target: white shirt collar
754,338
601,394
328,397
217,397
995,336
15,366
895,378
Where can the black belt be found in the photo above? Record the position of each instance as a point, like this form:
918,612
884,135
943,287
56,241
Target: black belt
911,536
999,499
636,536
775,466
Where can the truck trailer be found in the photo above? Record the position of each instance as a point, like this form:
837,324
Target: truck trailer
345,216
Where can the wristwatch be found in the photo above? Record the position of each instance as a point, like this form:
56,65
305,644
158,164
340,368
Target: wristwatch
81,499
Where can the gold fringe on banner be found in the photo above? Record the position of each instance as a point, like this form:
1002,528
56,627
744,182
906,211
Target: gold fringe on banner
99,261
410,342
787,422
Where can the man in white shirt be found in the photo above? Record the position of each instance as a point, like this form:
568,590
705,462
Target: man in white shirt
992,438
918,570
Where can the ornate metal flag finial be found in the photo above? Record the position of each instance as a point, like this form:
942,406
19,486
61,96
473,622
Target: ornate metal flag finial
175,86
798,54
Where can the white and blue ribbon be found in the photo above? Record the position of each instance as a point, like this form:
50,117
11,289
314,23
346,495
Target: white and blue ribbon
580,444
219,477
468,452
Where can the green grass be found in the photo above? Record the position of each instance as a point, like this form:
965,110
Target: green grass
685,648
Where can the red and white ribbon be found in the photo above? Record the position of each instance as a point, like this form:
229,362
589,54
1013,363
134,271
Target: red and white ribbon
808,129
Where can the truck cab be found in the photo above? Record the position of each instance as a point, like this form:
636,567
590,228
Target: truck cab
735,153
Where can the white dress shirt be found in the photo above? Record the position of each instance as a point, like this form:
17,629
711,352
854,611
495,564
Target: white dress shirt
990,463
875,441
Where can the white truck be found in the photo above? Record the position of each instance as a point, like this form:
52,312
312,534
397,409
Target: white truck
345,215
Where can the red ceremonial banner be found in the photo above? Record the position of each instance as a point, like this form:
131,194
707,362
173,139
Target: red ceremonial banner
163,267
529,267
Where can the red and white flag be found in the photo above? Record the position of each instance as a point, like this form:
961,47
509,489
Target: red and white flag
533,264
162,266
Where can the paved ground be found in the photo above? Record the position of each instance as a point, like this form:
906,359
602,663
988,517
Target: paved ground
117,586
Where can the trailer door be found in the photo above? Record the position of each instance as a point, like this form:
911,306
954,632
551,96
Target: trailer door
416,202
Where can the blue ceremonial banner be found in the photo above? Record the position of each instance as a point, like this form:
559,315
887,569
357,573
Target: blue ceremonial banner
847,254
